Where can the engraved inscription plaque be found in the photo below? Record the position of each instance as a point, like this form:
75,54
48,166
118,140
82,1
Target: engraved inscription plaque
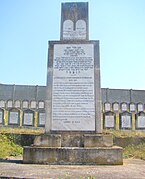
28,119
1,117
79,33
141,122
73,106
13,117
126,121
42,118
109,121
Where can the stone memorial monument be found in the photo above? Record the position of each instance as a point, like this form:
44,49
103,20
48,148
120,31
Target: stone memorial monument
73,129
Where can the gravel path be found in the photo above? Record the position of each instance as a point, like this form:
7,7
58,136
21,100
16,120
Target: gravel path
131,169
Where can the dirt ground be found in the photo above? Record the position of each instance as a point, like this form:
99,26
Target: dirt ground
14,168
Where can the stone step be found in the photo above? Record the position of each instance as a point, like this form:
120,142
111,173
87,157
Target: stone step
73,155
74,140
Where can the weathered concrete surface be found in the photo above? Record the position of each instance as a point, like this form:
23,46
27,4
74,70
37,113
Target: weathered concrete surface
73,155
49,140
131,169
77,139
98,140
69,139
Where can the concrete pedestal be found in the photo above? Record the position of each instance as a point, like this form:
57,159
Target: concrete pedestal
97,150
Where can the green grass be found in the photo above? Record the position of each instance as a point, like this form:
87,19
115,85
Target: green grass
8,147
135,151
4,130
124,133
130,151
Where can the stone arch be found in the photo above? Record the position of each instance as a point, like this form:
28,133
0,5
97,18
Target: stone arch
124,106
107,106
140,107
25,104
9,103
17,104
115,106
132,107
2,103
41,104
33,104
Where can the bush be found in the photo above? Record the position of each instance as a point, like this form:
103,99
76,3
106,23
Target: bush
8,147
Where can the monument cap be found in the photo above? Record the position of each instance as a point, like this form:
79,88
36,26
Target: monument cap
74,21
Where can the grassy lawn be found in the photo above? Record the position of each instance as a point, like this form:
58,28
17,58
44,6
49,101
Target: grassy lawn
125,133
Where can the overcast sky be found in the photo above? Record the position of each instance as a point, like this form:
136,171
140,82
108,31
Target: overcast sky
26,26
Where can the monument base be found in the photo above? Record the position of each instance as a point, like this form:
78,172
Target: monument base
73,155
95,149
